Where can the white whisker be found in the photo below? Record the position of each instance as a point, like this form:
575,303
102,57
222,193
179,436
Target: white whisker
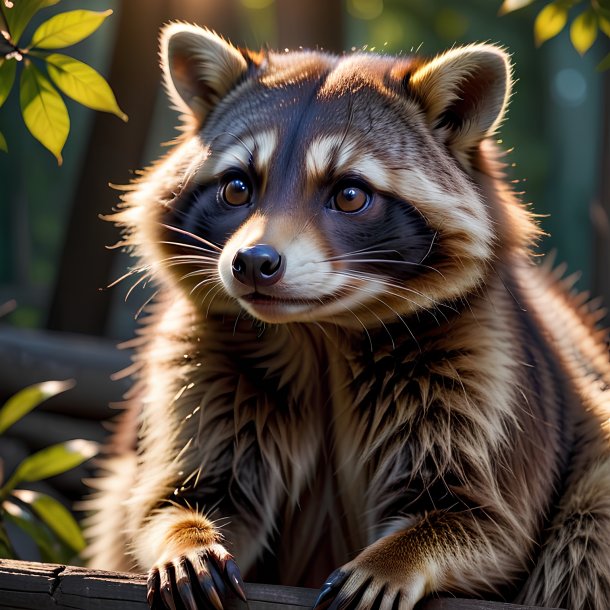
193,236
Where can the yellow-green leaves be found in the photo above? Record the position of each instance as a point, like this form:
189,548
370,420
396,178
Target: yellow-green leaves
8,67
584,27
83,84
583,31
67,28
43,110
42,106
20,14
51,461
47,522
55,516
3,144
29,398
549,22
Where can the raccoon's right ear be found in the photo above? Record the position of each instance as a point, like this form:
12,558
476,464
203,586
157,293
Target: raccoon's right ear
199,66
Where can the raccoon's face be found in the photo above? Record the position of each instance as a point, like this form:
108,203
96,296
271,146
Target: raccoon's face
322,188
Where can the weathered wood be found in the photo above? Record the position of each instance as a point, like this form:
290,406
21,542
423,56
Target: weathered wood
40,586
30,356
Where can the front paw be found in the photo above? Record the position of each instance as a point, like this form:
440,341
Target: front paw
360,586
202,574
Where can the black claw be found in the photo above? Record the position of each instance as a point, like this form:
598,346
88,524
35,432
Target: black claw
201,574
235,581
152,586
184,585
330,589
215,573
324,599
210,592
165,589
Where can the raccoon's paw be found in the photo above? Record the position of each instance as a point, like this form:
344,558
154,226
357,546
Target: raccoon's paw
201,575
358,586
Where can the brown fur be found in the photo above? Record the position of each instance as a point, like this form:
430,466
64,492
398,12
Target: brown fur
430,413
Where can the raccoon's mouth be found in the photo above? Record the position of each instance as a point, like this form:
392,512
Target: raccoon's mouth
260,299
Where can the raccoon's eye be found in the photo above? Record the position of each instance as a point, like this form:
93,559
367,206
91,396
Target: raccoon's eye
236,190
351,198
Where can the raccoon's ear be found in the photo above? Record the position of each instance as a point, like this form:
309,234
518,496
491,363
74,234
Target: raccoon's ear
464,93
199,67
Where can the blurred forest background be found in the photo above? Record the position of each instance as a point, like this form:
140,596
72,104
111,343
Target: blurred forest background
52,256
54,267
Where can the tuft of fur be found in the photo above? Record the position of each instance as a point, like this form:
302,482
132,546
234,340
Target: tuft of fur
402,397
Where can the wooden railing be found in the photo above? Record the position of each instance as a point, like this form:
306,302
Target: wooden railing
41,586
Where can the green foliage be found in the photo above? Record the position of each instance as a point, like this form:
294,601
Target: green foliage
554,16
82,83
43,110
42,106
549,22
8,69
22,403
67,29
583,31
21,13
45,520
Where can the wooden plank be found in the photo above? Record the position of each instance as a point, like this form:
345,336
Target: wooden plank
30,356
39,586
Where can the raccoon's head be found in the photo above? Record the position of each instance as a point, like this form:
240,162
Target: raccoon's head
312,187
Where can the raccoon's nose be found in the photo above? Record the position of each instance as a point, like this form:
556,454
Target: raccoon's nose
260,265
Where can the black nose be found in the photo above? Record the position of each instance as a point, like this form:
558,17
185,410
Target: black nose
259,265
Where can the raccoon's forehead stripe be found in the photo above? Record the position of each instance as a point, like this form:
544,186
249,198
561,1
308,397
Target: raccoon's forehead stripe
341,154
247,151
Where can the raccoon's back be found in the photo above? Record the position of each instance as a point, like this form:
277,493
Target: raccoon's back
570,323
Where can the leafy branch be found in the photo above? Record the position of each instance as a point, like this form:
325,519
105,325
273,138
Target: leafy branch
45,520
44,72
593,17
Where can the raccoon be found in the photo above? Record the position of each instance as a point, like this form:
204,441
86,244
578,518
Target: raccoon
352,366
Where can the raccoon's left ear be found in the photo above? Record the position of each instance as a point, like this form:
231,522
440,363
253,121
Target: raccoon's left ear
464,93
200,67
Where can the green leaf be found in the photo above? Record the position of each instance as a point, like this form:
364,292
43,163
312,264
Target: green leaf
549,22
508,6
3,144
21,13
583,31
29,398
67,28
55,516
35,530
83,84
8,68
6,549
44,112
604,64
50,461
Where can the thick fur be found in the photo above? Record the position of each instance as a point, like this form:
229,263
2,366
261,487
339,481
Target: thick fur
414,402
